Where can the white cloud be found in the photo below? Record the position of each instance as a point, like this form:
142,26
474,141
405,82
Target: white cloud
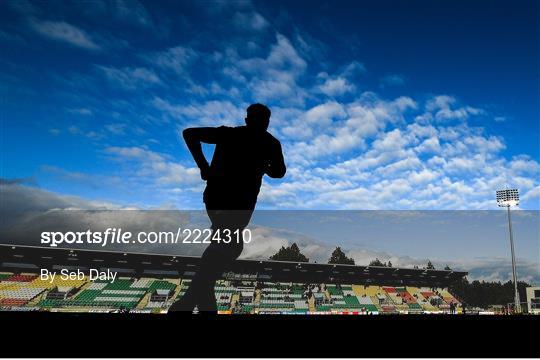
284,55
441,107
274,77
148,164
18,198
80,111
175,59
116,128
209,113
324,113
250,21
305,125
76,130
337,86
371,157
132,11
353,68
130,78
364,120
524,165
342,82
532,194
62,31
431,145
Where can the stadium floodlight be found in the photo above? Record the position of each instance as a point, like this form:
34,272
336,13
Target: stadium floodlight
508,198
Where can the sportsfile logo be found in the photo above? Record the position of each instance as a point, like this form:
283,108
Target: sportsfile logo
118,236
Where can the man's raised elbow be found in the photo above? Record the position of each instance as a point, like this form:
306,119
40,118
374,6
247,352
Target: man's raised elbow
279,173
187,133
190,135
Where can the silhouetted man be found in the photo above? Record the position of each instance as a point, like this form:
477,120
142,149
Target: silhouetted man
233,179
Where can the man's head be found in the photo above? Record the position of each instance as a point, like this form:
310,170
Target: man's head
258,116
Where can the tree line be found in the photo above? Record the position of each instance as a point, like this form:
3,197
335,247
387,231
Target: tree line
293,253
476,293
483,294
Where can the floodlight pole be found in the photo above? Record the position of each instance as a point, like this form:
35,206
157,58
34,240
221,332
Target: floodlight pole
517,305
507,198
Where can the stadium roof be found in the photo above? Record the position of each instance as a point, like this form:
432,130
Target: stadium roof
30,258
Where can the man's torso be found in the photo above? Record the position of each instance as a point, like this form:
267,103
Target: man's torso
237,167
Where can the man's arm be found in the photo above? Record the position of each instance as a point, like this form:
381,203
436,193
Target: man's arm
193,138
276,166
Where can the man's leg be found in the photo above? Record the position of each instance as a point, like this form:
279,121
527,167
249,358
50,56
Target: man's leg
201,284
217,258
220,255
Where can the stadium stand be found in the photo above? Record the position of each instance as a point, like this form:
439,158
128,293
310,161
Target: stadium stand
151,283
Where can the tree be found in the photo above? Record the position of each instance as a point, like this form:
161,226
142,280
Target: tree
376,262
290,253
448,268
338,257
484,294
389,263
430,265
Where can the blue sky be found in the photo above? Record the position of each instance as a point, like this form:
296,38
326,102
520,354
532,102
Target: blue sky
392,105
379,105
